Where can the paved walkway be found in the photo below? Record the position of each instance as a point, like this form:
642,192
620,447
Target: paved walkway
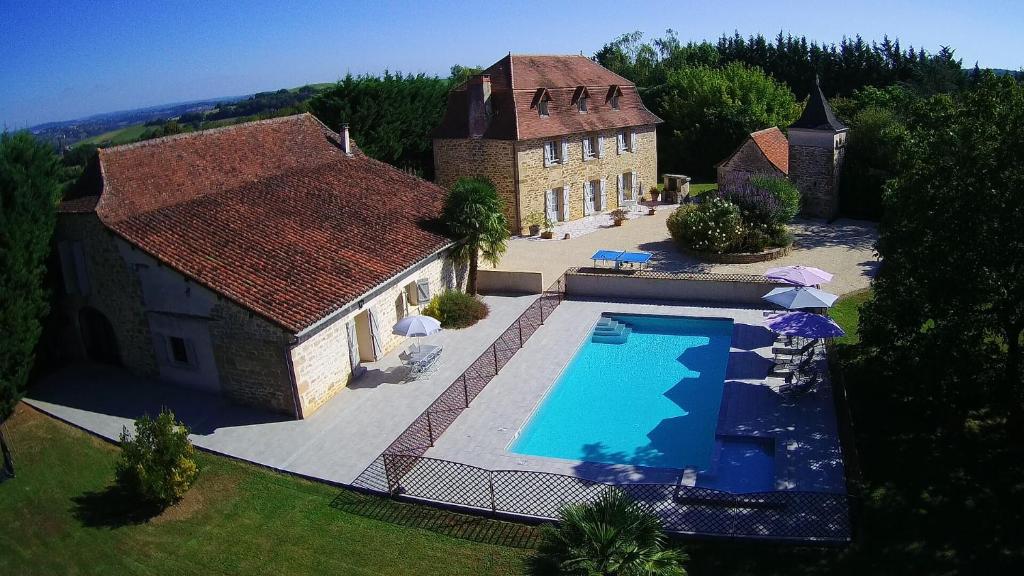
337,443
845,248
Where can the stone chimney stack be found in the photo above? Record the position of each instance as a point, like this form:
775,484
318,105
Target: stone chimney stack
478,93
346,144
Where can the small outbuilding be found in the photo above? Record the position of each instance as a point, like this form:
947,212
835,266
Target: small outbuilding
763,153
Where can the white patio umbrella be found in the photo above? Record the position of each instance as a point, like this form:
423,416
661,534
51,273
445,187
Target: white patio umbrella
800,297
799,275
416,325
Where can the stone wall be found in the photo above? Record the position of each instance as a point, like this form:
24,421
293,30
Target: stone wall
113,290
535,178
746,162
722,289
815,165
321,359
252,358
458,158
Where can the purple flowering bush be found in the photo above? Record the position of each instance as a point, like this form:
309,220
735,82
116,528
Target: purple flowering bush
748,214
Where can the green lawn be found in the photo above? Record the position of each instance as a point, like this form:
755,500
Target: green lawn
846,313
57,517
125,135
696,189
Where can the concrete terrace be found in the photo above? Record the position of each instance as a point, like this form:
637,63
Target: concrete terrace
844,247
807,452
337,443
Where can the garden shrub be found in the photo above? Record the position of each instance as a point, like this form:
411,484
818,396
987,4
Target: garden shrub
712,226
763,199
785,192
456,309
157,463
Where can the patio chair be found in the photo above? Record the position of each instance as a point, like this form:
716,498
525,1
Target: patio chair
794,350
421,360
801,383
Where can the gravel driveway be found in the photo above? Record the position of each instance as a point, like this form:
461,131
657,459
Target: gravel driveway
844,247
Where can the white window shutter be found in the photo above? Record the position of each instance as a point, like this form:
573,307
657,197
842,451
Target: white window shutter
621,190
636,185
632,142
423,290
600,146
604,196
549,206
565,151
586,147
565,203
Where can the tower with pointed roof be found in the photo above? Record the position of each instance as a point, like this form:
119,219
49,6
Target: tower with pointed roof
817,145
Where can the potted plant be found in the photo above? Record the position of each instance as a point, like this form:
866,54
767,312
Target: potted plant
549,228
651,211
619,215
534,220
655,193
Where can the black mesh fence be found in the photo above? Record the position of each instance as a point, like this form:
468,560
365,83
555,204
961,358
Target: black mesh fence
404,470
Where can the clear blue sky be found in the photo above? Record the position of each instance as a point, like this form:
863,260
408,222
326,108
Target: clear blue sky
70,58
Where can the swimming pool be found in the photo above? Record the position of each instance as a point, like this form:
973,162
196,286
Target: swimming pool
649,399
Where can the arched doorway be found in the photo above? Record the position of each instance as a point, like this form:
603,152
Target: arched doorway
98,337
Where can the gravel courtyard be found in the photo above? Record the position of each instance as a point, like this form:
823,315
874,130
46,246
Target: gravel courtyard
844,247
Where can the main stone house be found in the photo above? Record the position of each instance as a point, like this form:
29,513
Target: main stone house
264,262
561,137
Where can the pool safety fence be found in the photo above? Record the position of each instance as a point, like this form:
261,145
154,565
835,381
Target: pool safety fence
777,515
428,426
403,471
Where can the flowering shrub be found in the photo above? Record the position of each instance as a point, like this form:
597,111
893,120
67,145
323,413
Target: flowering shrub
762,199
712,226
719,225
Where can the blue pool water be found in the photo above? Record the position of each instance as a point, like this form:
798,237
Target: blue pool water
650,401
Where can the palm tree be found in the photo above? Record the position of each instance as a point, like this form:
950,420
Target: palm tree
475,216
615,535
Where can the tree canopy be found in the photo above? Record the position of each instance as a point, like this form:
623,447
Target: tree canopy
30,187
390,117
475,217
708,111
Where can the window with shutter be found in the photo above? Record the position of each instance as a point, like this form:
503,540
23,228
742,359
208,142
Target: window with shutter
423,290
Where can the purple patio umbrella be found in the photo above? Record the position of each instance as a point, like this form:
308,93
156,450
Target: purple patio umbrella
799,275
804,324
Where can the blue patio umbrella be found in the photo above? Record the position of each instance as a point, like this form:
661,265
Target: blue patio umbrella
804,324
800,297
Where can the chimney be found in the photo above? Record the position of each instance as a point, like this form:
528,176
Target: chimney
345,144
478,92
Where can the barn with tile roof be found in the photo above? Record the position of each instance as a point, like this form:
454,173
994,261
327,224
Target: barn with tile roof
264,262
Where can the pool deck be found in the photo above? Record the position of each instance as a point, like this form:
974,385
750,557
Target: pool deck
334,444
807,452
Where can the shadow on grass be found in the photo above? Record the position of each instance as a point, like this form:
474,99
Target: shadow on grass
463,526
111,508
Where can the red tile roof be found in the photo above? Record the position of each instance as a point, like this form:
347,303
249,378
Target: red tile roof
271,214
775,147
514,84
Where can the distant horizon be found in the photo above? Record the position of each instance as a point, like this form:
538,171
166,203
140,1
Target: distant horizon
70,60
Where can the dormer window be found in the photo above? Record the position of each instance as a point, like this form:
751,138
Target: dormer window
614,93
540,101
580,97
